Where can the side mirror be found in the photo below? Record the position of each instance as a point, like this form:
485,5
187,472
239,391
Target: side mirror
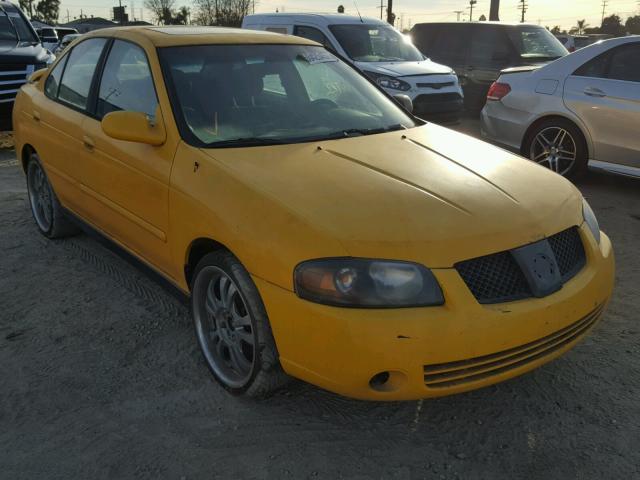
404,101
135,127
37,75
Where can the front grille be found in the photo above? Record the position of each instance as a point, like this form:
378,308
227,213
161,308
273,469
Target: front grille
494,278
498,278
436,86
12,77
471,370
569,251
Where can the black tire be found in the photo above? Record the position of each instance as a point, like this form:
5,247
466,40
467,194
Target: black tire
50,217
214,330
574,137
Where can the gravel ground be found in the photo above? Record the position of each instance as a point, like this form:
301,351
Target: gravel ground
101,378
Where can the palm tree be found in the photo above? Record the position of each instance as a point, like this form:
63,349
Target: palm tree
582,24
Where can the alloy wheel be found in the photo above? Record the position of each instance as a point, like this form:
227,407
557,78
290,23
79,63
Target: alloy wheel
224,328
40,196
554,148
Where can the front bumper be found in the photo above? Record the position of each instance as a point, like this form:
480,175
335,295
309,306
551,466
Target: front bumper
341,349
439,107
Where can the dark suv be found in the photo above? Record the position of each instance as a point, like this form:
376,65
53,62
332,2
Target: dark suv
21,53
479,51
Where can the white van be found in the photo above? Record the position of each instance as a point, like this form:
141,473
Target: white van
380,51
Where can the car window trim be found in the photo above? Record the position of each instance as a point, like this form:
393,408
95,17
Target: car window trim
63,59
58,100
103,67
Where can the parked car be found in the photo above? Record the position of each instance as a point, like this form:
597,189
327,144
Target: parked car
65,42
319,229
48,37
575,42
64,31
381,52
479,51
582,109
21,53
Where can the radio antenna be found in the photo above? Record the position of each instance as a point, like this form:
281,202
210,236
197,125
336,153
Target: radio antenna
355,4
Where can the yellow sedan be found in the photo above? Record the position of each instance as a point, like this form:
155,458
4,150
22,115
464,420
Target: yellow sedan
321,230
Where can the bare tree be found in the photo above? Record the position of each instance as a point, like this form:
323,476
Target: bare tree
162,10
228,13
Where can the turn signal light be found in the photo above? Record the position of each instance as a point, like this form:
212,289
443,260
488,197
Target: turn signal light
498,91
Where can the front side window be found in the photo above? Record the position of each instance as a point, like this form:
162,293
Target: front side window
375,43
53,80
81,67
243,95
312,34
490,47
536,43
126,82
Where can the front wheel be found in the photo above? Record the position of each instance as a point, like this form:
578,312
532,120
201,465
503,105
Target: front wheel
558,145
232,328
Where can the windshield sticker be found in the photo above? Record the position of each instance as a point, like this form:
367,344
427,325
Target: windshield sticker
318,55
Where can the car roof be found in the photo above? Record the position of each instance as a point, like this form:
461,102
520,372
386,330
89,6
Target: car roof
181,35
475,22
324,18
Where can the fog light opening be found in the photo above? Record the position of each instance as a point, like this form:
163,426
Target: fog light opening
379,380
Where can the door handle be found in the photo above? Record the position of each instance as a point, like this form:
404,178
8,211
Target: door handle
594,92
36,116
88,142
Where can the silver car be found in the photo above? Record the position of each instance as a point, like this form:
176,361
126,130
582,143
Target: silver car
581,110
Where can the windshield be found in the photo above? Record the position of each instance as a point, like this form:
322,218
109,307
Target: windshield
14,28
245,95
536,42
375,43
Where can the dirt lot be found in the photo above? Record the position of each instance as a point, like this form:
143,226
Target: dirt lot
101,378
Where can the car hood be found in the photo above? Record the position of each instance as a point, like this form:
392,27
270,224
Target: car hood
402,69
427,194
23,53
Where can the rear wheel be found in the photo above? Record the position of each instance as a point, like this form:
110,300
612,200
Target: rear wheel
232,328
45,207
558,145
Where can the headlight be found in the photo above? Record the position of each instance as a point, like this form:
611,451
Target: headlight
591,220
355,282
389,82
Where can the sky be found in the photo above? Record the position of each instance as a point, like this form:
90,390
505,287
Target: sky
545,12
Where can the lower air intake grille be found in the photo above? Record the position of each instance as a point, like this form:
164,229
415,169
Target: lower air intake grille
462,372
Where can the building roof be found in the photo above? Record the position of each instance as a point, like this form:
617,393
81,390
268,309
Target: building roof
89,21
326,18
184,35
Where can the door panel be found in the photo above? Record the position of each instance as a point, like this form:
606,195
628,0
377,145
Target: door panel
609,106
127,183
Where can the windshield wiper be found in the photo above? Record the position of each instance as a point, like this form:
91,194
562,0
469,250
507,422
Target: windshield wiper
247,142
359,132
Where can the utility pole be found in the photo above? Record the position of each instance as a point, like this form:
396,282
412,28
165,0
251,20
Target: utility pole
381,7
494,12
390,15
68,20
604,8
523,6
471,4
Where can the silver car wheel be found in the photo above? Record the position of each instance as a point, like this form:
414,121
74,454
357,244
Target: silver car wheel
39,196
224,329
554,148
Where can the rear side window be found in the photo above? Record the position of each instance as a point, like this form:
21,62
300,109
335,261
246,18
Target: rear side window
621,63
625,64
53,80
490,48
312,34
126,82
78,75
